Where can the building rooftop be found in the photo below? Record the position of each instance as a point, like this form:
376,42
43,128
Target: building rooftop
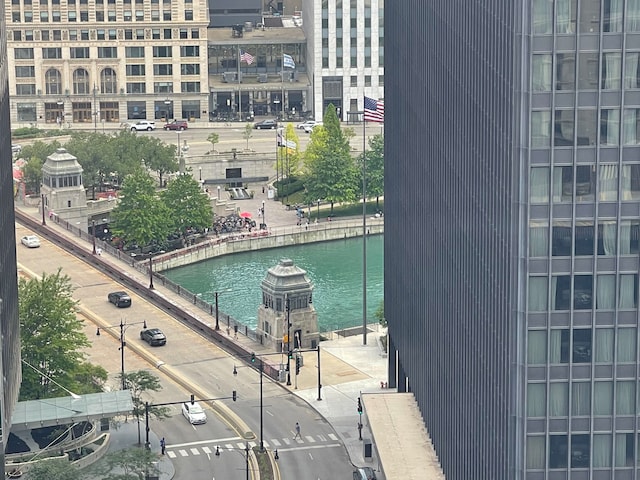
270,35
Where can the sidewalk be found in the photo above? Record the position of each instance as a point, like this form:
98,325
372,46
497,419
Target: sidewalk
348,368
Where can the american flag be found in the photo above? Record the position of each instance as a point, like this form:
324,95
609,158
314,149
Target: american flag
246,57
373,110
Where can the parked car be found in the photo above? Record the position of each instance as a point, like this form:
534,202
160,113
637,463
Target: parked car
194,413
266,125
16,149
309,128
153,336
364,473
143,125
120,299
305,124
30,241
176,125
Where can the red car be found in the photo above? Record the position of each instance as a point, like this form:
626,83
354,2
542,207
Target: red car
177,125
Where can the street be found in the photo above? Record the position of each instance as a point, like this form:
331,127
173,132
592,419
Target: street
199,362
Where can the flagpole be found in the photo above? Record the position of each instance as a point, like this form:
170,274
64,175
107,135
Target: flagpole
239,94
364,230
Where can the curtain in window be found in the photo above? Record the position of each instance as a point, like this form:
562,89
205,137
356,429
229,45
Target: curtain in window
621,449
604,345
554,287
537,347
633,15
536,399
555,346
536,452
626,351
558,399
613,15
538,241
538,294
563,16
606,293
539,192
625,397
541,73
581,398
630,126
542,16
602,450
609,237
557,184
610,122
627,291
608,182
631,70
613,69
625,235
603,398
540,129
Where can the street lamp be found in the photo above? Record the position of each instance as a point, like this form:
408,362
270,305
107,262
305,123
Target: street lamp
95,109
264,220
151,272
200,171
93,235
318,215
44,222
235,373
288,307
123,328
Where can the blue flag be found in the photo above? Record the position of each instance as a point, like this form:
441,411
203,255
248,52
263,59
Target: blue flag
288,61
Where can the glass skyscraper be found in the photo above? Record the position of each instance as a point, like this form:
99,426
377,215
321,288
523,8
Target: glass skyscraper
512,232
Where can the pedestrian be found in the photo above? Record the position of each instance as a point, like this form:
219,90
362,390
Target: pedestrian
263,189
163,445
297,435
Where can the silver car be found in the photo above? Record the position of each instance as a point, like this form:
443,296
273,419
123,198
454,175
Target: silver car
194,413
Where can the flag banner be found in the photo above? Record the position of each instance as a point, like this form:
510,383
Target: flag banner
290,145
288,61
373,110
246,57
279,139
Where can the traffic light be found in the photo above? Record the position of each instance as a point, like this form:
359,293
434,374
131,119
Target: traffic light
297,365
193,399
290,354
234,395
359,406
253,358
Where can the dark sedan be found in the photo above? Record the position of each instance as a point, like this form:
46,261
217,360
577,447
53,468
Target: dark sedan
266,125
153,336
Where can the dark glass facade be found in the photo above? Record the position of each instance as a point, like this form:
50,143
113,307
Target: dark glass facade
513,233
9,324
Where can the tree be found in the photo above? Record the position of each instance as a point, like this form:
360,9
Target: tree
51,335
129,464
140,217
92,151
213,138
159,157
139,383
248,133
32,174
379,314
189,207
330,169
374,167
40,150
59,469
288,160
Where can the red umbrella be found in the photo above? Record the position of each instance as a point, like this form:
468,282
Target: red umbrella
245,214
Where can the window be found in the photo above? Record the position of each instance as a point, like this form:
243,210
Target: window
611,70
582,346
28,17
44,17
195,33
190,51
565,71
583,293
166,15
566,17
610,127
632,70
139,33
190,87
162,52
81,82
166,33
101,35
561,239
538,292
17,35
559,346
127,16
625,449
136,87
580,451
612,16
536,458
112,34
629,233
631,182
84,34
57,34
585,183
55,16
26,89
111,15
558,451
25,71
538,239
604,336
79,52
587,126
563,128
135,70
603,398
15,18
99,16
26,112
139,15
536,400
53,82
188,14
163,69
537,347
73,35
628,294
84,16
155,15
607,237
184,33
28,35
72,16
134,52
626,348
562,184
108,81
580,398
162,87
23,53
51,53
190,69
541,72
540,129
107,52
584,236
128,34
631,126
561,292
608,180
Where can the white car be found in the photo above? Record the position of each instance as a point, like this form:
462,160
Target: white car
194,413
309,128
30,241
143,125
305,124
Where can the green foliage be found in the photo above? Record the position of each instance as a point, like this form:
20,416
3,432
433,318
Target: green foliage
40,150
129,464
32,174
264,464
374,166
89,378
189,207
26,132
288,159
159,157
330,170
140,217
289,186
379,314
92,151
213,138
139,383
248,133
51,335
60,469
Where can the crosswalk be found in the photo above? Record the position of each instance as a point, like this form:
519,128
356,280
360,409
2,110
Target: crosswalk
195,449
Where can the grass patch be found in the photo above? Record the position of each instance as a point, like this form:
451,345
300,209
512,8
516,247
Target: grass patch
349,210
264,465
34,132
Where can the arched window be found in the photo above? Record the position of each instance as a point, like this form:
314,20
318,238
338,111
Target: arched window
108,82
81,82
53,81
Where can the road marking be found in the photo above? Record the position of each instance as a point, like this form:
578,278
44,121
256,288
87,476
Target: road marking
310,456
269,413
171,454
206,450
240,446
202,442
265,443
312,447
276,443
183,453
332,436
228,446
322,438
252,444
310,439
195,451
287,441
